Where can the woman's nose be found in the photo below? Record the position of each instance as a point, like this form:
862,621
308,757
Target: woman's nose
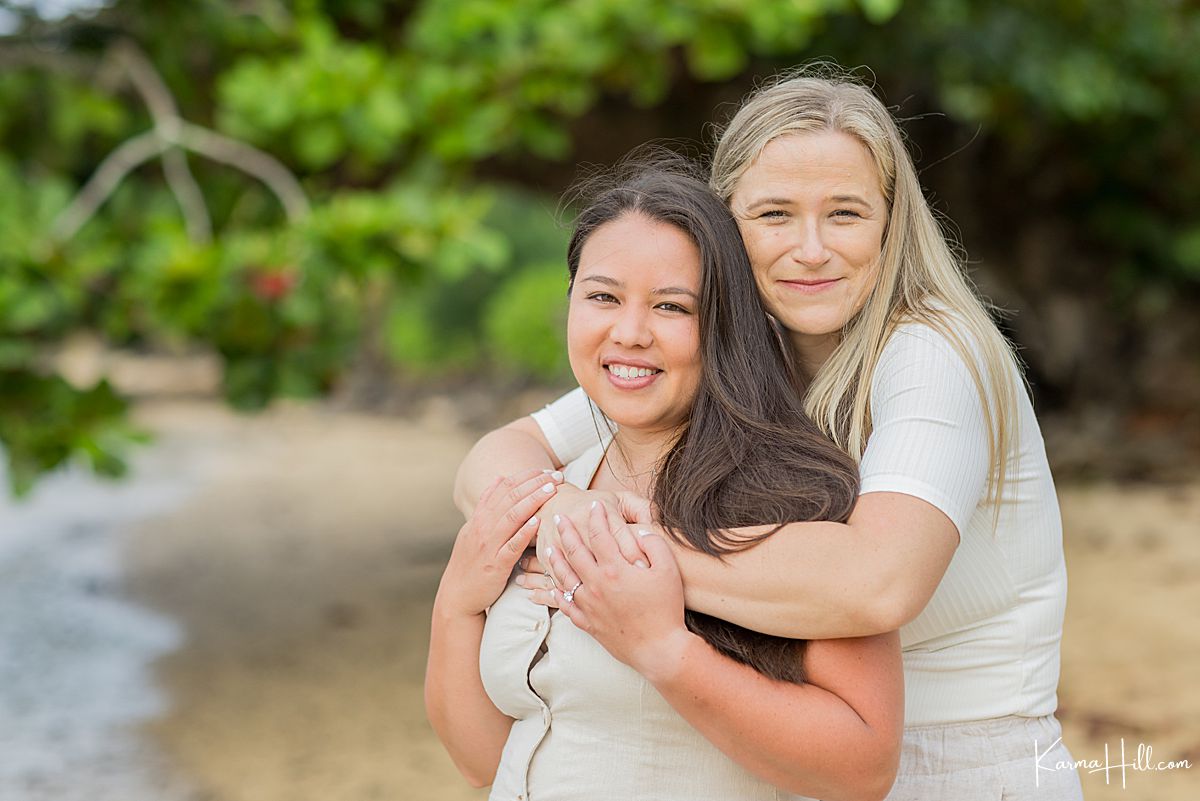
808,245
632,328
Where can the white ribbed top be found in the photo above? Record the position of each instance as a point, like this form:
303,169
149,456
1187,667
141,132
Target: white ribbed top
987,645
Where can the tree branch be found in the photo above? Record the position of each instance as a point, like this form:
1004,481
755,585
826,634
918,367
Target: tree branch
148,83
170,133
115,167
251,160
187,192
15,57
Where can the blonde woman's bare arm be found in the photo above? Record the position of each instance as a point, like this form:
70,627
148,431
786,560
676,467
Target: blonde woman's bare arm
817,580
510,449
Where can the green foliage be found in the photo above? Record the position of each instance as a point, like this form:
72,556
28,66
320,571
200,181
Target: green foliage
449,324
391,114
45,422
526,323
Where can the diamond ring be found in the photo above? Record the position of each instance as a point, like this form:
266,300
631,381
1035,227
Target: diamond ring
569,595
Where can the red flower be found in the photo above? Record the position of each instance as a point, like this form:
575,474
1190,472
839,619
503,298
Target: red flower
272,284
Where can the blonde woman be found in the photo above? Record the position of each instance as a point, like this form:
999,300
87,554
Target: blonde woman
956,536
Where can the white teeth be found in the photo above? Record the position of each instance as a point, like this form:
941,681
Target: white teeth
624,371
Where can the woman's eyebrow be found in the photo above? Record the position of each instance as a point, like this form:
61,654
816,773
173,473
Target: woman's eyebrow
850,199
673,290
666,290
767,201
603,279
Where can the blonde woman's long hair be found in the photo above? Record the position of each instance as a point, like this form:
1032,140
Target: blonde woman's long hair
919,276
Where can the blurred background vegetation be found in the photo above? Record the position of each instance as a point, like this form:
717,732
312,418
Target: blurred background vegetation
318,190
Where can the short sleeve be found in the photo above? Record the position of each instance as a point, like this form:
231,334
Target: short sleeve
572,424
929,435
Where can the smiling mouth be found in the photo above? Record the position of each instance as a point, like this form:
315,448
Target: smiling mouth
810,285
629,373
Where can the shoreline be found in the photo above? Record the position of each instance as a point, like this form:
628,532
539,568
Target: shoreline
298,561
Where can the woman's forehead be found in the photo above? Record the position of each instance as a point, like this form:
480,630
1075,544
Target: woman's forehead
635,250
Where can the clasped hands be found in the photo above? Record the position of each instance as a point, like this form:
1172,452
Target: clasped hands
623,582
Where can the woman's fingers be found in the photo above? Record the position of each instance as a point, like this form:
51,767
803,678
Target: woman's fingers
659,552
523,501
577,615
544,597
520,485
518,542
633,507
535,581
612,516
629,544
600,535
568,580
576,552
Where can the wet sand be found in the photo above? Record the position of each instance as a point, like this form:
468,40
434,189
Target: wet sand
301,570
304,578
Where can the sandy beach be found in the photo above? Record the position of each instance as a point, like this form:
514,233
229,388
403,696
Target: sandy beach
286,567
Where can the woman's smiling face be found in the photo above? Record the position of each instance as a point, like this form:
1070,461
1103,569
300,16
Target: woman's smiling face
633,337
812,215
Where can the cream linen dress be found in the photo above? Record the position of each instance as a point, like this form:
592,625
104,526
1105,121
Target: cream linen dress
590,728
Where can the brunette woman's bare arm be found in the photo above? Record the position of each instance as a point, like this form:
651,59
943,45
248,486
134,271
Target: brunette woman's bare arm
835,737
462,714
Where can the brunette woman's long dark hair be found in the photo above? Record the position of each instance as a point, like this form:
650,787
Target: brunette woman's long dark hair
748,454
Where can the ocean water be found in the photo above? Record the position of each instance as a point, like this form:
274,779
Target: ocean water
76,676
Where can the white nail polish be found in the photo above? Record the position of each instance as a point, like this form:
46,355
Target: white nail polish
533,521
557,519
549,551
595,504
557,475
548,488
640,563
643,532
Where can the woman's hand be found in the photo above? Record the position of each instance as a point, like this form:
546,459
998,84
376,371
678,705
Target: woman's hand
490,542
635,612
573,504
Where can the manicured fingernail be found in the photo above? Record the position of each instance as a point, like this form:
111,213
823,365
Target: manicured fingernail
548,488
520,581
643,532
554,474
595,504
641,563
557,519
533,521
549,551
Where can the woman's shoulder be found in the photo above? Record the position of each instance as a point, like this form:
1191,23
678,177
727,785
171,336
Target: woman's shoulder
938,340
942,355
935,325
